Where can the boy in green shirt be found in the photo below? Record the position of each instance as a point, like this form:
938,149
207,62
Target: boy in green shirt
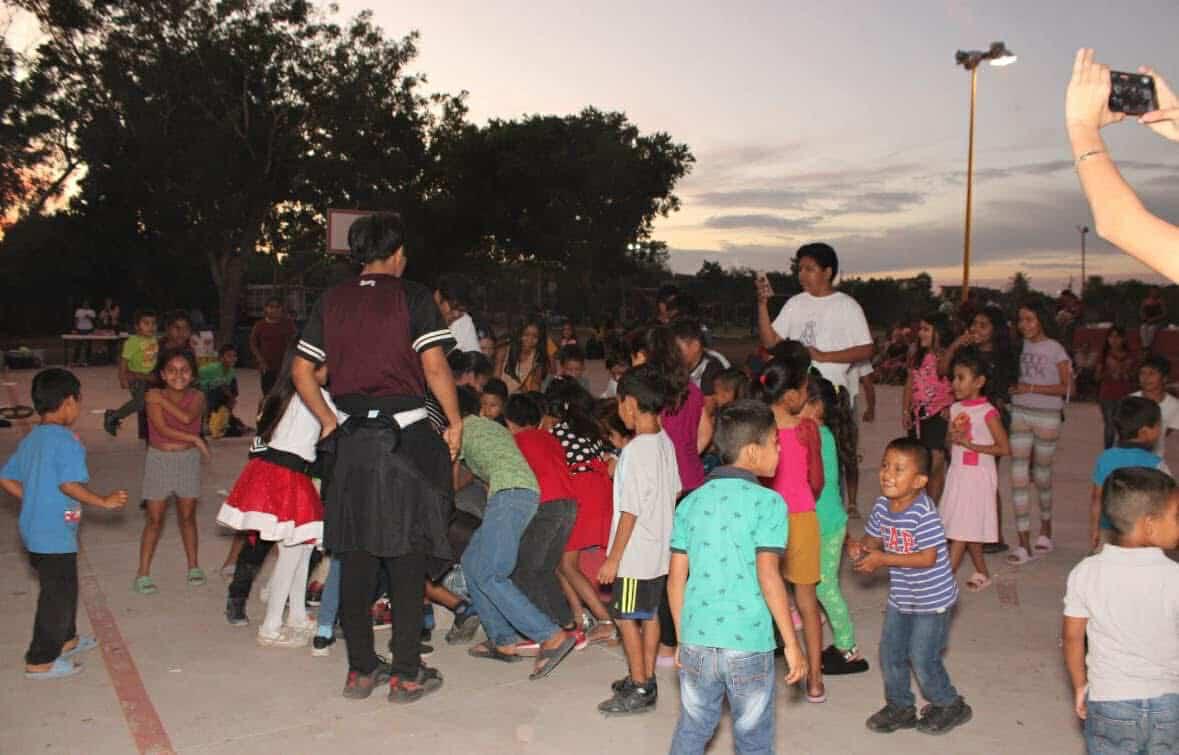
513,495
136,365
731,533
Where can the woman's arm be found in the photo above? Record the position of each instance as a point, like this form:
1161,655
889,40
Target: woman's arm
1118,214
705,428
814,456
1094,517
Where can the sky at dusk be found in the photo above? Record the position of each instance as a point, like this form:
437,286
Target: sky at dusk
837,121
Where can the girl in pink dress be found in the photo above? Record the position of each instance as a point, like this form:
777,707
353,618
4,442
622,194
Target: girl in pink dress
977,438
927,396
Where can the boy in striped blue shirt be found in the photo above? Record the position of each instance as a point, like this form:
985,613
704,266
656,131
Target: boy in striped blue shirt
904,533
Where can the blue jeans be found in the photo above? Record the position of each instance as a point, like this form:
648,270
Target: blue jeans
329,600
915,640
1133,726
707,676
488,563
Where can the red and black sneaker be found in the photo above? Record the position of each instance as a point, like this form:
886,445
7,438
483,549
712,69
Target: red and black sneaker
405,690
360,685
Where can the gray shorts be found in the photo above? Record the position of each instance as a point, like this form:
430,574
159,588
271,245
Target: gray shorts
168,472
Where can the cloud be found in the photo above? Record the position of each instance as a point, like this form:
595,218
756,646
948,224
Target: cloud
770,199
881,202
1036,235
1053,167
761,221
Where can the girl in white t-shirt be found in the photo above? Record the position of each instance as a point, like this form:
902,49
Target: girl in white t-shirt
1125,602
1037,406
274,496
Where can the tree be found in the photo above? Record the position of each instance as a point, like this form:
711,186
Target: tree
1020,286
209,123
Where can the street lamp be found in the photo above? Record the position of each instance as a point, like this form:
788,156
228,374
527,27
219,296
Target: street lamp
998,55
1083,229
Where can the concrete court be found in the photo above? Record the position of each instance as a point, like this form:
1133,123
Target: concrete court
199,685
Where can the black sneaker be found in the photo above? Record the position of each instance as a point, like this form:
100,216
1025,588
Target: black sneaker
939,719
322,646
466,623
425,650
235,613
620,684
838,662
110,423
402,690
631,699
892,717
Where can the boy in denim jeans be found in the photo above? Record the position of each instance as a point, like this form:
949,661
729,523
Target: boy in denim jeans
731,532
904,533
1125,600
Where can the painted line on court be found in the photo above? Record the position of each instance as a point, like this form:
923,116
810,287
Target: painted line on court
140,714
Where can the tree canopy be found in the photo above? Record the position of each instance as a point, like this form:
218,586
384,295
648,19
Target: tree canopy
204,132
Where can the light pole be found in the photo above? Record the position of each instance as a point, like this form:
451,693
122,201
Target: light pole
1083,229
998,55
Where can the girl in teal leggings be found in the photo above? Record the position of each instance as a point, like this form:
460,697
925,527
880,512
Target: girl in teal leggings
830,410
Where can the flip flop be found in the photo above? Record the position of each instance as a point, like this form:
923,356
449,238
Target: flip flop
60,670
553,658
144,586
1043,545
819,698
1018,556
196,577
978,582
85,643
492,653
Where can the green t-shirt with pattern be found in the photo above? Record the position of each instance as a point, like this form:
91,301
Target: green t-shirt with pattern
721,527
829,508
141,353
490,452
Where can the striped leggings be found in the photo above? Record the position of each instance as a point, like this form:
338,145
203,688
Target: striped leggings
1034,434
830,553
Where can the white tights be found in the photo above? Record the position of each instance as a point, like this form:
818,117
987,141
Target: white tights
289,580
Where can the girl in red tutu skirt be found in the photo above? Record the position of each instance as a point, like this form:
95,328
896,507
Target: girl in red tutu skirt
275,497
581,437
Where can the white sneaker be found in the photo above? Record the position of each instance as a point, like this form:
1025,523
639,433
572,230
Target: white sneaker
284,638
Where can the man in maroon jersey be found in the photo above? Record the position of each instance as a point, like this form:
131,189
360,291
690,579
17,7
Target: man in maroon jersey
390,493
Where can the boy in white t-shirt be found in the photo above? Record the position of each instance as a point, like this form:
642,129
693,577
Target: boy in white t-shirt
1125,600
829,323
1152,382
646,483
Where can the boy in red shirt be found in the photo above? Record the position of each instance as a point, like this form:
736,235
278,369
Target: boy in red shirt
544,539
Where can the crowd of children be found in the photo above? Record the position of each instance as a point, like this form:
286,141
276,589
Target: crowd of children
715,501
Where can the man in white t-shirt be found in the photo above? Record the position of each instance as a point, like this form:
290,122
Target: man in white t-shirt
1152,379
829,323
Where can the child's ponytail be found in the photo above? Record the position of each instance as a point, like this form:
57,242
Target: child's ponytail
786,371
275,404
839,419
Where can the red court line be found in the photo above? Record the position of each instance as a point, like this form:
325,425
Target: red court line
142,719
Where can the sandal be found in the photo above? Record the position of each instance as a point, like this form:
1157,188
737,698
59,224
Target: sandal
1043,545
144,586
552,658
490,652
85,643
1018,556
196,577
60,669
978,582
819,698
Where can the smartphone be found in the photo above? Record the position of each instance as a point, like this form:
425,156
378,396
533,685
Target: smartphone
1132,93
764,281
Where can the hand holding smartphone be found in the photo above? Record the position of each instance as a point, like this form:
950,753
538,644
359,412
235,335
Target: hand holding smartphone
1132,93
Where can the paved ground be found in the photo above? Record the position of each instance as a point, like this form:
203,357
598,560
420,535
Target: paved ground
174,676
